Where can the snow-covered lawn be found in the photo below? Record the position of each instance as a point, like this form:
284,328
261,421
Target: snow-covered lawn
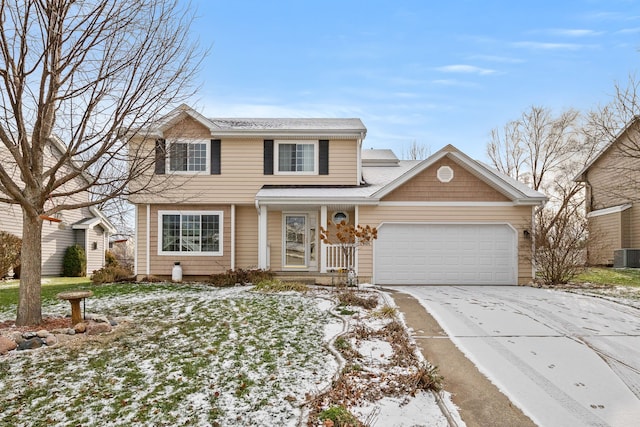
195,356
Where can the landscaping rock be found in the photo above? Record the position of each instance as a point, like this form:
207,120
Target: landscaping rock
98,328
7,344
51,340
112,322
80,328
98,319
42,333
17,337
28,335
30,344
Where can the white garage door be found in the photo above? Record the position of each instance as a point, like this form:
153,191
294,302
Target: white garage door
445,254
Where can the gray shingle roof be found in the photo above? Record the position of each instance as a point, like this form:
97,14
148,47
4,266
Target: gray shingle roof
231,124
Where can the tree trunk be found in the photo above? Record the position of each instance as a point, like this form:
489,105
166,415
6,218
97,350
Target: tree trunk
29,304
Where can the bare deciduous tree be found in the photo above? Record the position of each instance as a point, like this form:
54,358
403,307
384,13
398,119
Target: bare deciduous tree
546,152
416,152
78,76
605,125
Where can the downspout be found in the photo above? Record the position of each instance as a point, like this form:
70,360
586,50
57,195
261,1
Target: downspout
233,237
135,242
359,160
148,245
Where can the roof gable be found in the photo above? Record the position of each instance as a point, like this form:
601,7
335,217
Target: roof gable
510,188
465,186
610,148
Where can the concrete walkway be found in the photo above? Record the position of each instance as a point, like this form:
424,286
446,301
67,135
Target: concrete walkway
564,359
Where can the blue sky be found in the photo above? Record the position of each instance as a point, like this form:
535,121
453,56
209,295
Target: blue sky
434,72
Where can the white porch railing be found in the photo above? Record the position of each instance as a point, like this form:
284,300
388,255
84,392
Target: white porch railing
340,257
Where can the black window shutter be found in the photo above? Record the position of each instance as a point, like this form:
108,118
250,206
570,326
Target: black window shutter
268,156
323,157
161,154
215,157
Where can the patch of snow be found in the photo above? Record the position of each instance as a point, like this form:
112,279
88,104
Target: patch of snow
419,411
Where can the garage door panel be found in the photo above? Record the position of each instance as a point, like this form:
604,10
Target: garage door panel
441,254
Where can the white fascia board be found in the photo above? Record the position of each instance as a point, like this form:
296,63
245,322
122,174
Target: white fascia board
447,204
608,211
315,201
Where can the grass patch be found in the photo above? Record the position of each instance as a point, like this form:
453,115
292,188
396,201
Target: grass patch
194,355
610,276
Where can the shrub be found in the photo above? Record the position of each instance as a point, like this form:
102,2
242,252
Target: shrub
10,246
340,417
75,262
239,277
110,274
353,299
110,259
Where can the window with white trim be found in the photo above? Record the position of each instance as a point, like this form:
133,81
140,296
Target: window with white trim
190,233
296,157
188,156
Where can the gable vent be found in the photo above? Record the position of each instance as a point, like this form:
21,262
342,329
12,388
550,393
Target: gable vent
445,174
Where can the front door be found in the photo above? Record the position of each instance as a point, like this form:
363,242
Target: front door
296,242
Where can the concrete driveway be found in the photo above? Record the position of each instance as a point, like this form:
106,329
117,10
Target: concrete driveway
564,359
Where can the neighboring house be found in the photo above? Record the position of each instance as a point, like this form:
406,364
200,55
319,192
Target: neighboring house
612,183
254,192
87,227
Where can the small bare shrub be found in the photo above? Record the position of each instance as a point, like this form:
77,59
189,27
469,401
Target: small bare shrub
239,277
353,299
111,274
279,286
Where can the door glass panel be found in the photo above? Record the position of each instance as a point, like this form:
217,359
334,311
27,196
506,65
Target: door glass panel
295,241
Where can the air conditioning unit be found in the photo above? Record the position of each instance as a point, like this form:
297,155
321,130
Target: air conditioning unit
626,258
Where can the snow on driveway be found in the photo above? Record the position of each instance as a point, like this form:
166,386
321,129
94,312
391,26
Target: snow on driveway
564,359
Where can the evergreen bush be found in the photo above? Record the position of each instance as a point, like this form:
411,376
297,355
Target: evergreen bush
75,262
10,246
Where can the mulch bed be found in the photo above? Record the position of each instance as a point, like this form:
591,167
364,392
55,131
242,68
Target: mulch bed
48,323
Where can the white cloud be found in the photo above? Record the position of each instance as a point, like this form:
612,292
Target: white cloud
453,82
466,69
495,58
551,46
568,32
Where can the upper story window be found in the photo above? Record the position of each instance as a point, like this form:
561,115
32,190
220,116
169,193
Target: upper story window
299,157
188,156
190,233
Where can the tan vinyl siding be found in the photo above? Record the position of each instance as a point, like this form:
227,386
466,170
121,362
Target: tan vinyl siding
141,240
463,187
56,237
95,257
518,216
242,174
634,227
246,237
606,236
192,265
613,179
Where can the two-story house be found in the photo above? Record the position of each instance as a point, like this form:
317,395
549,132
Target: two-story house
87,227
253,193
612,183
